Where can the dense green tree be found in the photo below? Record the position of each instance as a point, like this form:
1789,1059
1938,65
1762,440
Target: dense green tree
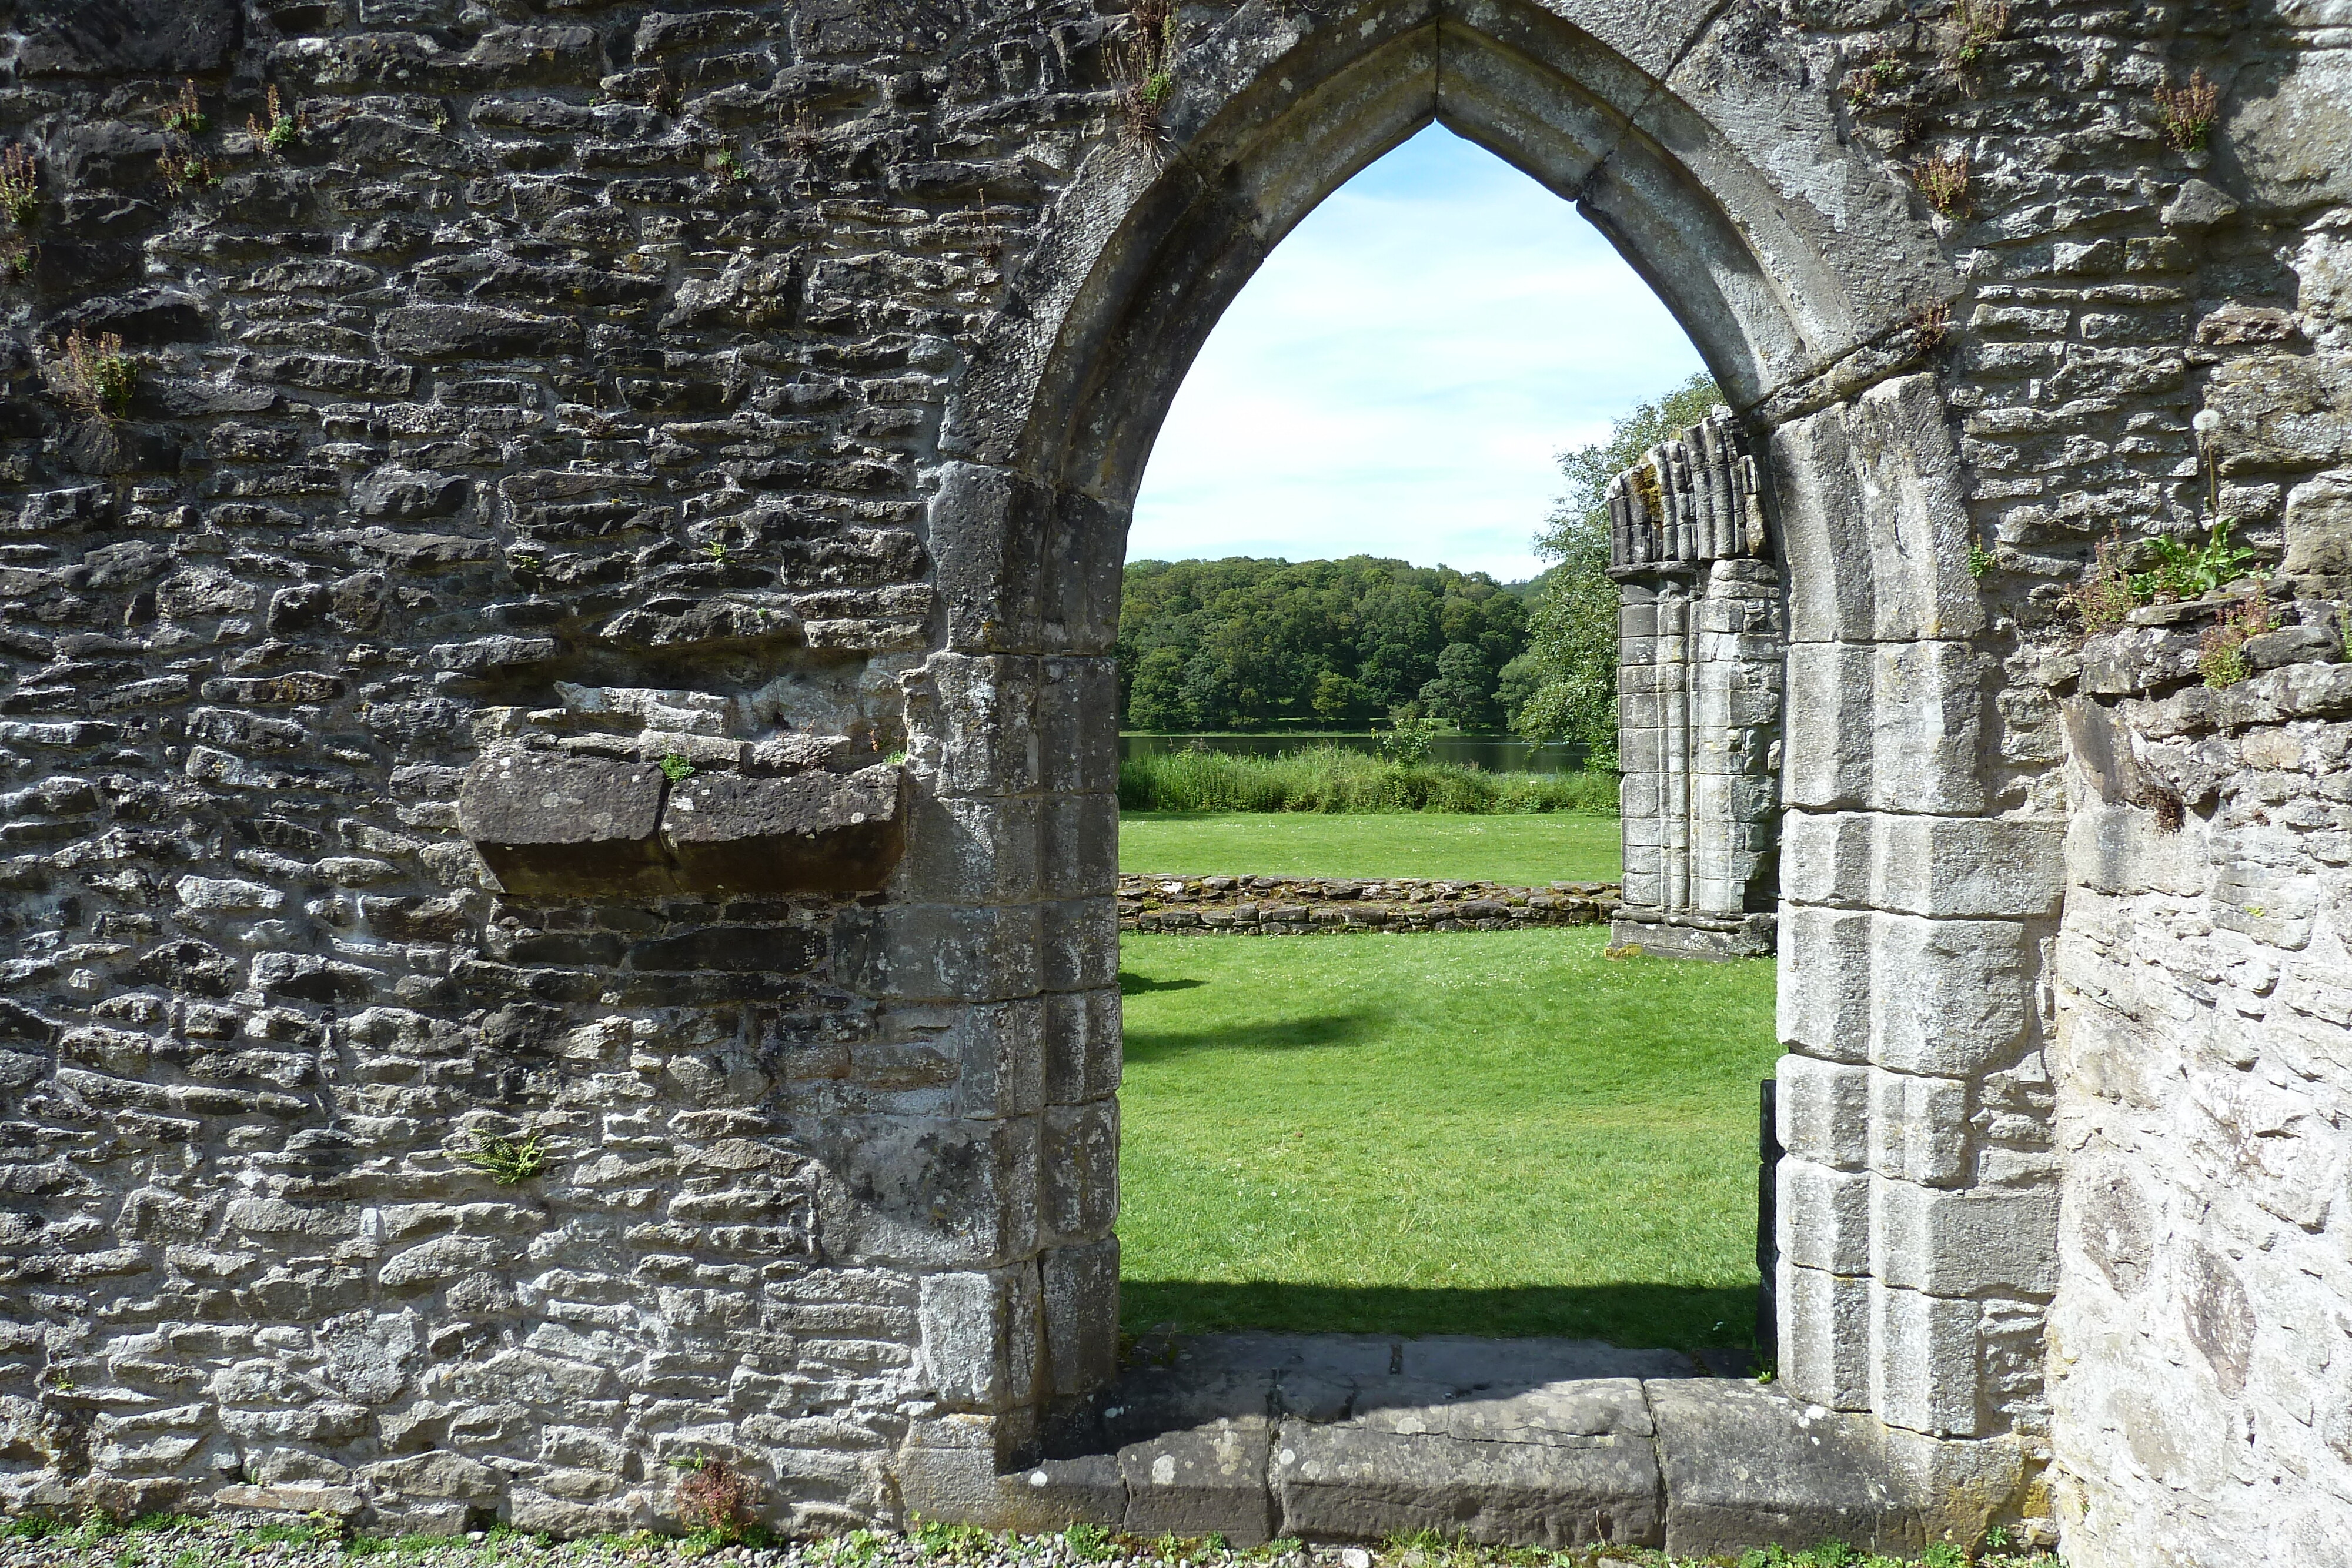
1566,685
1242,643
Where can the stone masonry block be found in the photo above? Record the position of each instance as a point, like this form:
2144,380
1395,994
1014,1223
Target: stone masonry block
1964,1243
1915,515
1822,1112
972,849
1081,1045
1081,1297
1081,845
1824,1336
1950,999
981,1337
1077,720
806,833
988,714
998,1048
1078,1171
561,826
1827,748
1918,1128
950,1193
987,537
1895,726
1925,1360
1960,867
1081,944
927,951
1824,993
1822,1218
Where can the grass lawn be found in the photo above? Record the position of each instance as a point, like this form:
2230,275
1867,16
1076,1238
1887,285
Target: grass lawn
1536,848
1492,1132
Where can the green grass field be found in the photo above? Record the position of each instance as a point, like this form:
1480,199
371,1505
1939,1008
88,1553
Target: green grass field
1493,1132
1556,847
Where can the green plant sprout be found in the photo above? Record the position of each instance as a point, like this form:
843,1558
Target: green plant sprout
2182,572
20,185
506,1161
185,116
1981,561
677,768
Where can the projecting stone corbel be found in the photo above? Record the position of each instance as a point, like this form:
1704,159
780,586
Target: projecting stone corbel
552,826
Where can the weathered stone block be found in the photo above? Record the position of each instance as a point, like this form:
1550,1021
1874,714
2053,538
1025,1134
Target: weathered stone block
1587,1474
561,827
981,1337
1200,1480
1825,1345
1822,1112
1925,1361
1964,867
1081,1305
1745,1466
1977,1242
806,833
1821,1219
1824,1005
1079,1163
1918,1128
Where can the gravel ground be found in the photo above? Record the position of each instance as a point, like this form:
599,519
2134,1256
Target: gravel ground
207,1544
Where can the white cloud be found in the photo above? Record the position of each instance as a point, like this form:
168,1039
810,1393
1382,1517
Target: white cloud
1399,375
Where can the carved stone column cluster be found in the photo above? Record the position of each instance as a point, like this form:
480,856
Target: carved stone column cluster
1702,635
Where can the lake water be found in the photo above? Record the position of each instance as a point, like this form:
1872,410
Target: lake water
1495,753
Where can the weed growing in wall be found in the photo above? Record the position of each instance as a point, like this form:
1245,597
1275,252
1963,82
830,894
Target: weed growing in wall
2182,572
677,768
93,376
1981,561
20,186
2106,594
507,1161
1943,180
1931,324
1976,25
1884,73
185,116
278,130
715,1503
1143,58
2221,652
2187,113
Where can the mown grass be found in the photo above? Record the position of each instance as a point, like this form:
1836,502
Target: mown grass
1491,1132
1328,779
1524,851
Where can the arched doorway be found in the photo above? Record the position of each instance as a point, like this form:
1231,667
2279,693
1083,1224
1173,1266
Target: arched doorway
1918,1246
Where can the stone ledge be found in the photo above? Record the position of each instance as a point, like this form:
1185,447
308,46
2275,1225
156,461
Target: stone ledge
1288,906
1539,1442
558,826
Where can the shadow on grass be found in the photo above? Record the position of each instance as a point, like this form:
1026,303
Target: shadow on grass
1148,1045
1132,984
1631,1314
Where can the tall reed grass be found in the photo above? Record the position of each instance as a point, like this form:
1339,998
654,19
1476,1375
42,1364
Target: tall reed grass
1330,779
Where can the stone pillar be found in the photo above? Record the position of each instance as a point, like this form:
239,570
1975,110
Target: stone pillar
1701,638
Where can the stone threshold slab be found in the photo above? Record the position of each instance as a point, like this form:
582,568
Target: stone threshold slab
1540,1442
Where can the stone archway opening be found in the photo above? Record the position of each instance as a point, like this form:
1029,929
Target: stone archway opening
1449,1159
1909,912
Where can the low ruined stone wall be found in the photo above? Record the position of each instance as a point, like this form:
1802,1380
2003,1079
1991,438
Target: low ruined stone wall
1292,906
2201,1388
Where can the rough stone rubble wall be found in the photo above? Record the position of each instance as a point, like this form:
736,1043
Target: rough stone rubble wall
496,410
2201,1341
574,379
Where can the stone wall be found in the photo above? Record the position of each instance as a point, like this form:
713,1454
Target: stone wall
2201,1340
568,422
1287,907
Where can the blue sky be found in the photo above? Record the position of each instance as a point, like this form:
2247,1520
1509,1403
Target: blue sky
1399,377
